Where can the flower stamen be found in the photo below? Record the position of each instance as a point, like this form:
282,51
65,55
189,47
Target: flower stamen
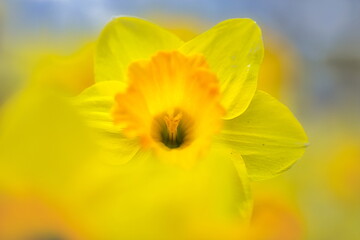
172,124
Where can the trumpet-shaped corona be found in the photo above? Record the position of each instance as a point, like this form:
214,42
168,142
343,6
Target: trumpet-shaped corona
172,104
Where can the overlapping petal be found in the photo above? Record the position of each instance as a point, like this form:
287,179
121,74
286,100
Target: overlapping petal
234,51
127,39
95,105
267,135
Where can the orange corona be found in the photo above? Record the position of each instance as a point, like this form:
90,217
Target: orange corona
172,104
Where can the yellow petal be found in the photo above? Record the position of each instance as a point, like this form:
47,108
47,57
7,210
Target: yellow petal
231,167
95,105
267,135
234,50
127,39
246,204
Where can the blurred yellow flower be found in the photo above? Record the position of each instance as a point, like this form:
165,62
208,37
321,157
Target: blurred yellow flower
176,99
281,67
25,216
342,173
277,214
274,218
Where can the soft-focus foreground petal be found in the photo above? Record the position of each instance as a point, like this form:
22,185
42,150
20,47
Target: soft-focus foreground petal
127,39
267,135
234,50
95,105
153,200
71,74
43,142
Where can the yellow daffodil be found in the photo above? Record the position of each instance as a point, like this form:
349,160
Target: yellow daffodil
156,95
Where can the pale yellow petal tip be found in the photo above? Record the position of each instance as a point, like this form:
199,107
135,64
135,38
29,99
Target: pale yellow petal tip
240,20
136,21
240,47
267,135
125,40
243,22
270,174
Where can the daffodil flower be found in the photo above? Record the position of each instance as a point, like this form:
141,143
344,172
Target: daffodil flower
156,95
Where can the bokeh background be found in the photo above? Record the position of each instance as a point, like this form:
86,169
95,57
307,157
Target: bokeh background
312,64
